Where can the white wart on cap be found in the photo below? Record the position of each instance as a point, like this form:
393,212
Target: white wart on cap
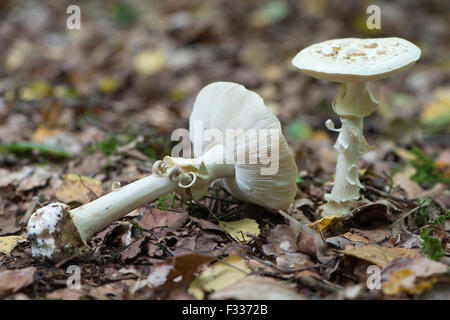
354,59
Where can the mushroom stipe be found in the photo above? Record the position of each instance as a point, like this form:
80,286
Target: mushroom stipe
55,232
353,62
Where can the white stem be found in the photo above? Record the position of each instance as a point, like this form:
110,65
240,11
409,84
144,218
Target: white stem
352,103
100,213
348,145
197,174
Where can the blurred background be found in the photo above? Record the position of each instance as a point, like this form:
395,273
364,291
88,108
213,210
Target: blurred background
102,101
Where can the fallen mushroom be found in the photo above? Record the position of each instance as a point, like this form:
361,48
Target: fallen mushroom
353,62
56,232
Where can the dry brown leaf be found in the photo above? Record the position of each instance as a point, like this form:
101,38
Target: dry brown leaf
155,217
412,189
13,280
419,265
380,256
185,245
308,241
132,251
106,291
8,224
282,239
66,294
207,225
355,237
76,188
258,288
295,260
375,234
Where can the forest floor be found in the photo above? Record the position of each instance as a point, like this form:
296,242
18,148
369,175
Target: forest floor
82,109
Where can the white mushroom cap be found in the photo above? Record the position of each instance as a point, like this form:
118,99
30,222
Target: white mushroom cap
353,59
227,105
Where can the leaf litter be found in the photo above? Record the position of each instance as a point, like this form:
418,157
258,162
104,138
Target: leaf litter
69,136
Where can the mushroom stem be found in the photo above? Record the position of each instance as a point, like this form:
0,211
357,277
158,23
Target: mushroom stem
353,102
169,175
56,232
348,145
100,213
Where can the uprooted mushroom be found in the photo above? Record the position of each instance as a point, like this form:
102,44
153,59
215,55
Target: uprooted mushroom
238,164
353,62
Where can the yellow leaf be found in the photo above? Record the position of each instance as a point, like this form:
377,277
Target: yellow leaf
405,280
149,61
239,229
437,112
322,223
404,154
42,132
381,256
8,243
17,55
76,189
218,276
107,85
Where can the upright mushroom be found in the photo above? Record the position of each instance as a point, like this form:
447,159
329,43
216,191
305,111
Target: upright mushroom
55,232
353,62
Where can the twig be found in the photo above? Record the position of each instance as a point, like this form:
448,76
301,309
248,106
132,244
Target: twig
154,234
385,194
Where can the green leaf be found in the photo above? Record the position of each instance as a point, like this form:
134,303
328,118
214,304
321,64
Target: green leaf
43,149
299,130
426,173
431,246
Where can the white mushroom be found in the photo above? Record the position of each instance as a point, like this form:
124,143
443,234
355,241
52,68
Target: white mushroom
353,62
55,232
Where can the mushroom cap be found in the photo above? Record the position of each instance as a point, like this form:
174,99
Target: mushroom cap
354,59
227,105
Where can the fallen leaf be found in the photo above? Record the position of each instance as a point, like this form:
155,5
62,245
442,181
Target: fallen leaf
219,276
106,291
240,230
380,256
308,241
185,245
8,224
258,288
412,189
294,260
13,280
437,112
419,265
8,243
282,239
355,237
66,294
76,188
8,178
38,178
375,234
206,224
322,223
43,131
149,61
132,250
405,280
155,217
